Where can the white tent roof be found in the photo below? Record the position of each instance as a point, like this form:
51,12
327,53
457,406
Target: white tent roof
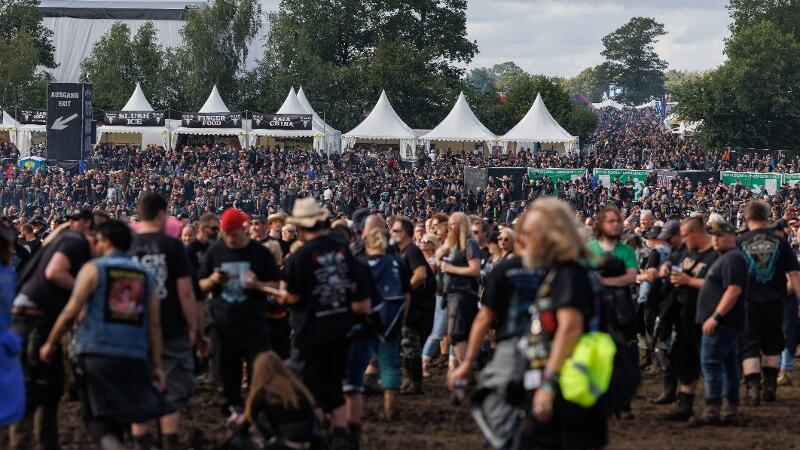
538,126
214,103
291,105
137,102
301,97
608,103
8,122
460,125
382,123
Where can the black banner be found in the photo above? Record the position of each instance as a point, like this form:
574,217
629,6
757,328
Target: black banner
33,116
134,118
212,120
69,120
703,176
475,178
281,121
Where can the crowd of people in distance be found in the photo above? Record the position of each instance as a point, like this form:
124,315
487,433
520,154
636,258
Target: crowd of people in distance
299,282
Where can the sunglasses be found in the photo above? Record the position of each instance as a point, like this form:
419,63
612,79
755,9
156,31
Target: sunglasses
396,230
213,228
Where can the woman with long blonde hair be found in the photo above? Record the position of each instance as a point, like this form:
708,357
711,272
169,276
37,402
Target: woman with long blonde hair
281,407
461,268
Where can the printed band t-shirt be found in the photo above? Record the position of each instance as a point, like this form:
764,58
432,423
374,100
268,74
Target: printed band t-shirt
166,259
235,262
769,258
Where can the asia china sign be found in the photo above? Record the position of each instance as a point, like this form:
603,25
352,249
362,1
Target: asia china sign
134,118
33,117
281,121
212,120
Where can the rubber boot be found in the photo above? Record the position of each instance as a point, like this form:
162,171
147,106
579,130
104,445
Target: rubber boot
770,383
752,395
709,417
682,410
355,435
340,439
669,386
169,442
142,442
729,415
388,403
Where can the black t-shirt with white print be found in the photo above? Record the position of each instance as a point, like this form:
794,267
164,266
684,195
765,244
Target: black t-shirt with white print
327,278
167,260
769,258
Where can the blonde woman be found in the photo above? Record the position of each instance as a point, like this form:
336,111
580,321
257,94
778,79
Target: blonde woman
565,304
461,268
428,245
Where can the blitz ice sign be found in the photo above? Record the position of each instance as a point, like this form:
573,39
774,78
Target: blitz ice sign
69,120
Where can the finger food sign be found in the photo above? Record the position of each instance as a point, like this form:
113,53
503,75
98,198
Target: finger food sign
212,120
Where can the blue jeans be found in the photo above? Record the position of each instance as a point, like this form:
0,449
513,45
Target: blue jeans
789,332
439,330
719,358
389,362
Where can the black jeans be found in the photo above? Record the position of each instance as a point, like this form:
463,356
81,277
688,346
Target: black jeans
44,386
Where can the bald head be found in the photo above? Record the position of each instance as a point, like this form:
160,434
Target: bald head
372,221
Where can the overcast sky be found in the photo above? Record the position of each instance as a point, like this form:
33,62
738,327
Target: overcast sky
561,37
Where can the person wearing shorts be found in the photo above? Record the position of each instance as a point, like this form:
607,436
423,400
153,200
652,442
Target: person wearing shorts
462,268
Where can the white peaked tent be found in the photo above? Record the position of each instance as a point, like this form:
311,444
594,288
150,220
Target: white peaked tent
213,104
383,125
459,127
123,134
330,138
8,129
608,103
319,129
539,126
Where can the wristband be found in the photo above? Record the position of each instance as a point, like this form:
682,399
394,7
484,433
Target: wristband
716,316
551,376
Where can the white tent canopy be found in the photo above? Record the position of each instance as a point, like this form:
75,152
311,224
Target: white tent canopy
539,126
25,136
149,135
608,103
213,104
460,125
383,124
137,102
325,137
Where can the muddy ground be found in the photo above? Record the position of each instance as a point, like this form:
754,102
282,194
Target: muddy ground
434,422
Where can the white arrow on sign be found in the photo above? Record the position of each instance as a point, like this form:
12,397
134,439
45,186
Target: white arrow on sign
61,123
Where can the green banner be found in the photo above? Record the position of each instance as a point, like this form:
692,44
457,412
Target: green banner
791,179
756,181
606,176
554,173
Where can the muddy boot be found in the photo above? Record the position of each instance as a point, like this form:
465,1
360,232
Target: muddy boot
143,442
682,410
355,435
340,439
388,404
784,378
752,393
729,414
770,383
709,417
426,367
169,442
111,442
667,396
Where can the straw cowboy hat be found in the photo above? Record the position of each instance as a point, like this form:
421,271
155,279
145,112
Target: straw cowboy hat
307,213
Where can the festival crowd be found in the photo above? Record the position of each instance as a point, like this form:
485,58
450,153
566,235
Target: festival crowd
299,282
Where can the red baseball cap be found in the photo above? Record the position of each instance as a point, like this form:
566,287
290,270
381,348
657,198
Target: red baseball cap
232,219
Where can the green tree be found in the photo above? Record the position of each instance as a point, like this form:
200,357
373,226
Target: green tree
785,15
216,39
414,50
19,56
675,79
119,60
592,82
485,78
632,61
23,16
751,100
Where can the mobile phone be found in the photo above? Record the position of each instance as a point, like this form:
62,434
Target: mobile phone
677,269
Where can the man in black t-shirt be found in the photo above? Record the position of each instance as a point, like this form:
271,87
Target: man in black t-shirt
236,272
180,314
325,285
44,290
207,233
688,277
720,311
770,260
419,318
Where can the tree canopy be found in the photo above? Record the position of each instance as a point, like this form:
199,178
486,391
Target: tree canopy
632,62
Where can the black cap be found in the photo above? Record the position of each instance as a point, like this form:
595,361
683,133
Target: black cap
81,214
